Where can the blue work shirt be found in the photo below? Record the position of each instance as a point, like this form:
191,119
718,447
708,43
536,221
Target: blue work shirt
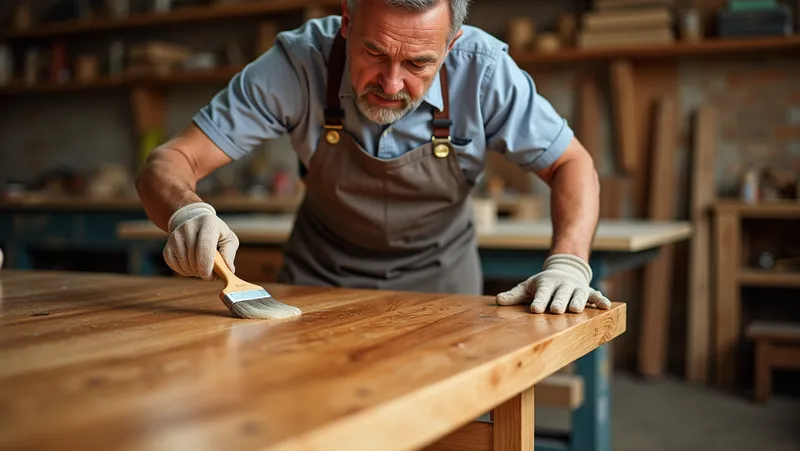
494,104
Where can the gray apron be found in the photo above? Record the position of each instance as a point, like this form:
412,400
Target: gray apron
396,224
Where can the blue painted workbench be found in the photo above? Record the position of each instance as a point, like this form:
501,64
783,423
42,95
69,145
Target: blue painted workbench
514,251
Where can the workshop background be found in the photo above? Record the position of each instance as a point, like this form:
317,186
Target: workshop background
691,109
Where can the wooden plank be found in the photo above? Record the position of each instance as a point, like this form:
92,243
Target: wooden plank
703,193
773,330
560,390
474,436
708,47
614,192
727,315
656,297
513,423
360,369
589,115
777,209
653,81
624,110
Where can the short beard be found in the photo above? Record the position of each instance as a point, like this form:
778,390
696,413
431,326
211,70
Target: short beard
384,115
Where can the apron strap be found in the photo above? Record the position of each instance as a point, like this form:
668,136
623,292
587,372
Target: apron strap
336,60
441,119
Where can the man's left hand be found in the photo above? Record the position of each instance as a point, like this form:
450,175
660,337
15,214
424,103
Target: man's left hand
563,283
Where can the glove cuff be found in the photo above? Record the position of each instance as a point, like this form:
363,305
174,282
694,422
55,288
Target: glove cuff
570,262
188,212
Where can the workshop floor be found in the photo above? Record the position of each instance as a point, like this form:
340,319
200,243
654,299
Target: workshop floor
672,415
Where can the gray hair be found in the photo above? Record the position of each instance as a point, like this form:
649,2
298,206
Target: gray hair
458,10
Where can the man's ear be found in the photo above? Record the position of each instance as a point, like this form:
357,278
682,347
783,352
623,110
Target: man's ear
345,18
458,35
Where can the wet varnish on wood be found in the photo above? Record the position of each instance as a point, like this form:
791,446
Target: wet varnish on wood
96,361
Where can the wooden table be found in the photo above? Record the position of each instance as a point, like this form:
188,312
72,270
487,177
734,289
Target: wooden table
100,361
514,250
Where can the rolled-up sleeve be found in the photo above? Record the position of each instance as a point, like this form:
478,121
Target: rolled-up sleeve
265,100
519,122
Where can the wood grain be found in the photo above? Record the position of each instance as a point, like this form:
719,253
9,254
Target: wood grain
105,361
612,235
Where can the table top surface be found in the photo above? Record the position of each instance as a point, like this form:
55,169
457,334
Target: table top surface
532,234
104,361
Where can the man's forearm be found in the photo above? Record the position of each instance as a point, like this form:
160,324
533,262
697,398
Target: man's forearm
165,184
574,207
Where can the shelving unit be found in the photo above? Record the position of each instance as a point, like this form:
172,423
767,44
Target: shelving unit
733,271
154,19
710,46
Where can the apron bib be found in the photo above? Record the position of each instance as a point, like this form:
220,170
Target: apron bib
395,224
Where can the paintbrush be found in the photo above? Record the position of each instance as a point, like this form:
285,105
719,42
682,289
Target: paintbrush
247,300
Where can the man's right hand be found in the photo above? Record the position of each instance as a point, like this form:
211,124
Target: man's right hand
195,232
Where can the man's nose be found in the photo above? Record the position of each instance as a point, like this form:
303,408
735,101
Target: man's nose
391,81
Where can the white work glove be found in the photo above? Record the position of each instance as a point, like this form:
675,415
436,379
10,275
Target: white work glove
564,280
195,232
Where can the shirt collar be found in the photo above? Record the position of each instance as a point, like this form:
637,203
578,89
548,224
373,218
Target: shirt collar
432,97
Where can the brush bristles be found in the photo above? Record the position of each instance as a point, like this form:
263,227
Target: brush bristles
263,308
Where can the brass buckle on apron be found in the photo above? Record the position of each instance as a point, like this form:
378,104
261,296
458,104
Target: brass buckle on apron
441,147
332,136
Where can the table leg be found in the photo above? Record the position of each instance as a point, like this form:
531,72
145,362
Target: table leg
591,422
513,423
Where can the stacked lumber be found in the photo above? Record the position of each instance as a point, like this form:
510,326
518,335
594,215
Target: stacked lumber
617,23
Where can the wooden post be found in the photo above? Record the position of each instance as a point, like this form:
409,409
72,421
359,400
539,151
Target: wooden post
703,192
727,240
513,423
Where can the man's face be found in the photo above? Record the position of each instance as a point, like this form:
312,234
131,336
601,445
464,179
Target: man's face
394,56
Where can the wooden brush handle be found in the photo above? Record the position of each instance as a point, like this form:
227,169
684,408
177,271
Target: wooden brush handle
222,270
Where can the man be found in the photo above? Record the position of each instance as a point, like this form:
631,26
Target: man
391,109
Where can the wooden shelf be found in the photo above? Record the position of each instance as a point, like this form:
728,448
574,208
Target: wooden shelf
710,46
181,15
213,76
767,278
778,209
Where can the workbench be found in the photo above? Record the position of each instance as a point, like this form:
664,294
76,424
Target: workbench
34,224
513,250
107,361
